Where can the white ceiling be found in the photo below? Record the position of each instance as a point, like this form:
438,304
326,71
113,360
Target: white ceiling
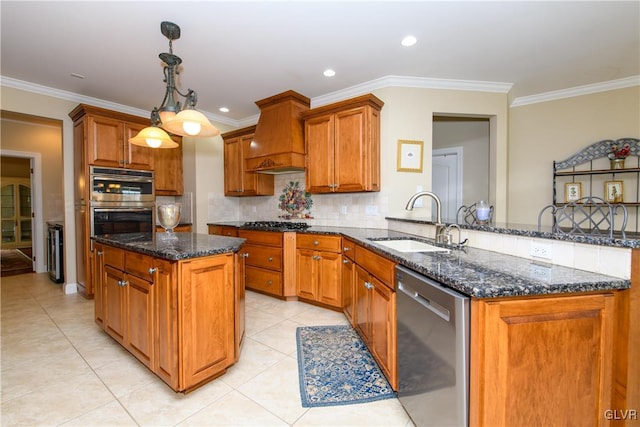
237,52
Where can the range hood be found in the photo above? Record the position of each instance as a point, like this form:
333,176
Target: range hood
278,143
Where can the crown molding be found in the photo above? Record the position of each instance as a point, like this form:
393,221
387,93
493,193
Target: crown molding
82,99
413,82
577,91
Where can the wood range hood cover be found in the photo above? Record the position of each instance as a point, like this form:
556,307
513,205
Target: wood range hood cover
278,144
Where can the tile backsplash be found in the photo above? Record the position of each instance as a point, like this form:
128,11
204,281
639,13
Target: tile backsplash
345,210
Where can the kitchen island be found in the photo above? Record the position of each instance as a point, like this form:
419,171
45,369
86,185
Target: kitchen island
176,304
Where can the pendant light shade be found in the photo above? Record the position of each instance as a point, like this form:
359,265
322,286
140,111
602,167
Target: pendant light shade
153,137
191,123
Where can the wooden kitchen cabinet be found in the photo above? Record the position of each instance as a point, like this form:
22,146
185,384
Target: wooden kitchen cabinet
237,181
375,309
264,261
223,230
168,170
182,319
542,361
348,280
343,146
319,269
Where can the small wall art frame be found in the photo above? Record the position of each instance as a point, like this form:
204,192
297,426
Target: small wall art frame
410,155
572,191
614,191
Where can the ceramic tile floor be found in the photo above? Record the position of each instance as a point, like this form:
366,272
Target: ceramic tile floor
59,368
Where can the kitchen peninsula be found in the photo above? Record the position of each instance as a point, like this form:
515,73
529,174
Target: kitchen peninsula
176,304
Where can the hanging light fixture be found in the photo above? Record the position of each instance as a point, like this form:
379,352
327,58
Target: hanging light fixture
186,121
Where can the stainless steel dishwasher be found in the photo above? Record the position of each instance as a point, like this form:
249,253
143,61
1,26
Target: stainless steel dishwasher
433,351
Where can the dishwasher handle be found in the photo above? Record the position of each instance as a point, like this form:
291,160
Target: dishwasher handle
427,303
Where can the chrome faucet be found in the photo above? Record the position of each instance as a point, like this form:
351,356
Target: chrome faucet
440,227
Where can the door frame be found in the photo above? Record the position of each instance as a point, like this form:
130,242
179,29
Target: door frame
37,220
458,152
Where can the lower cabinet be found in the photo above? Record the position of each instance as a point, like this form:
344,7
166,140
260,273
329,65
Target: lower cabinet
182,319
223,230
264,261
542,361
319,269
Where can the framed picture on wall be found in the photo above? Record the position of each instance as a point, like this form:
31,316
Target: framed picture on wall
572,191
614,191
410,156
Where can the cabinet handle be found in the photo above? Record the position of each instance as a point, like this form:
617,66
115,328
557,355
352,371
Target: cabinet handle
316,257
245,255
368,285
122,283
99,253
152,270
315,242
269,282
270,259
228,233
345,261
346,249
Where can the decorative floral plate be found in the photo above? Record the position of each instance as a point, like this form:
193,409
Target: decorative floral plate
294,200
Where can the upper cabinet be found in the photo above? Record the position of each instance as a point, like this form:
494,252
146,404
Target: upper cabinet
343,146
168,174
237,181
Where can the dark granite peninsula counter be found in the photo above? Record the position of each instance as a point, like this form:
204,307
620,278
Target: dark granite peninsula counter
176,304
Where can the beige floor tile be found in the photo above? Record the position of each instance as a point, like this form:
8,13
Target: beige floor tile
278,390
386,413
157,405
317,316
112,414
281,337
233,409
56,403
254,358
125,375
257,321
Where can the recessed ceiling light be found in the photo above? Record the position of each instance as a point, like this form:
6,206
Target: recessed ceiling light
224,109
409,41
329,73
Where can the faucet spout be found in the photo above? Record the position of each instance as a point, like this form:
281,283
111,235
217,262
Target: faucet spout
439,225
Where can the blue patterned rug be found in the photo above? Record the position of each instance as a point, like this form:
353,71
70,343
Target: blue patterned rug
336,368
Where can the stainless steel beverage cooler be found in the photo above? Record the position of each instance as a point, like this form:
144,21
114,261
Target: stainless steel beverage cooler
55,265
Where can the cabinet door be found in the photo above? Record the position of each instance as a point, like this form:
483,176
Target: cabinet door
98,282
363,303
558,350
168,170
165,363
240,301
307,275
351,155
348,289
104,142
329,277
140,319
207,311
233,167
319,137
136,156
383,329
114,296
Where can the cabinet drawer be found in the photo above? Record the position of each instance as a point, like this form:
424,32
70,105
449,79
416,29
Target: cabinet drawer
263,256
138,265
349,249
223,230
263,280
113,257
269,238
377,265
318,242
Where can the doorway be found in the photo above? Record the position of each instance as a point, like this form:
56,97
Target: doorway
453,136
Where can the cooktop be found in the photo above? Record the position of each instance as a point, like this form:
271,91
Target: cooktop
277,225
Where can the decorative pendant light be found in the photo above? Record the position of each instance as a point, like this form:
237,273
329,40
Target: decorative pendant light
170,116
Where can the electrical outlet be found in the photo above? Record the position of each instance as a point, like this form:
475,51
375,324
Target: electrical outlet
371,210
540,250
541,272
343,210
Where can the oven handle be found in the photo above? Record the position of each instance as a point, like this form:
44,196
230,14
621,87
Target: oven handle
123,208
121,178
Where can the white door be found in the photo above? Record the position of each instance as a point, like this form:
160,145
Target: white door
446,180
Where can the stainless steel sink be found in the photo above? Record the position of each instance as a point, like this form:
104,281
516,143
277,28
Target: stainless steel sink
409,245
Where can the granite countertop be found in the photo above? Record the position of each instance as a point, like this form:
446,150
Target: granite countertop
476,272
184,246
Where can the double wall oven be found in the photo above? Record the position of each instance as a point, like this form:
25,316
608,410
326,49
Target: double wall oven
121,201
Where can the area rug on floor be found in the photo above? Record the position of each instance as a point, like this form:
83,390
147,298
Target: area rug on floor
13,262
335,368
